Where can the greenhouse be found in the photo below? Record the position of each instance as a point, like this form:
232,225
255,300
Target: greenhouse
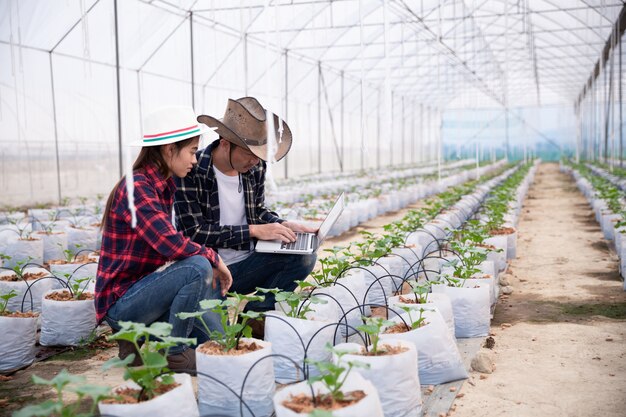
350,208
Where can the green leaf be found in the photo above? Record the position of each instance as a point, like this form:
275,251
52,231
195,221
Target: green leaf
116,362
47,408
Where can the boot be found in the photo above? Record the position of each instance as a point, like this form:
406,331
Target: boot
183,362
126,348
258,328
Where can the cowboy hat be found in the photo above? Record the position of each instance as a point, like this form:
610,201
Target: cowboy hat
169,125
245,124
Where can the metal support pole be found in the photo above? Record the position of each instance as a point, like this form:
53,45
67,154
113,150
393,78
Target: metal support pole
286,107
319,117
413,132
342,133
56,134
403,131
621,126
245,65
193,79
391,132
378,132
119,98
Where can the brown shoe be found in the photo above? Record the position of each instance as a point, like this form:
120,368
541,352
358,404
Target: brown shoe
258,328
126,348
183,362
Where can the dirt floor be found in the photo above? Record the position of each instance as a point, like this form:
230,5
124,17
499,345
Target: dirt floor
564,353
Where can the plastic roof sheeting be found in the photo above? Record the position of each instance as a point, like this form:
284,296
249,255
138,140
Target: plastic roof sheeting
363,82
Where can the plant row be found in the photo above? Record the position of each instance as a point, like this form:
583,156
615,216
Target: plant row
437,264
608,202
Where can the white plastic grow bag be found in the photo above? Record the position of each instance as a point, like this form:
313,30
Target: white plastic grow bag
285,341
471,307
368,406
38,287
378,284
87,238
436,302
349,293
439,359
66,323
17,343
53,244
231,370
394,376
22,250
500,256
178,402
76,271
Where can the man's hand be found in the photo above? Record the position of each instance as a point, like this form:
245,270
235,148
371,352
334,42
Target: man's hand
222,273
297,227
272,231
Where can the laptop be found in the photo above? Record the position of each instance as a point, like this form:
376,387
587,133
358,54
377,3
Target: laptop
305,242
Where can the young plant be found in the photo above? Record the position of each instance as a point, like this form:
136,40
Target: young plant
334,375
23,230
298,303
5,300
62,382
69,255
420,291
233,331
417,323
332,266
373,327
77,289
18,268
153,372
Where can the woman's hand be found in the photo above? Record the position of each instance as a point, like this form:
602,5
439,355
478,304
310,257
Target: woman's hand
222,273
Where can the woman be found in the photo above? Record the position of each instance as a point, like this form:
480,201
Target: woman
134,280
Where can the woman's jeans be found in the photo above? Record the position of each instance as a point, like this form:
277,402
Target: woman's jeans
161,295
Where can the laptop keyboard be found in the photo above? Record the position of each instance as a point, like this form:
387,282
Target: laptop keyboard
301,242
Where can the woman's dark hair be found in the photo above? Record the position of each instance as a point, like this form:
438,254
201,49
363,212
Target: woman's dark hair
149,155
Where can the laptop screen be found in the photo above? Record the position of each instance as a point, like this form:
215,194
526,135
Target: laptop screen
331,218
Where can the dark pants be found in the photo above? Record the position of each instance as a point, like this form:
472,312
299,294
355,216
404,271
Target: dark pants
269,270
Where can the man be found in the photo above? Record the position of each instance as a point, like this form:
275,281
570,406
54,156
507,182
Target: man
221,202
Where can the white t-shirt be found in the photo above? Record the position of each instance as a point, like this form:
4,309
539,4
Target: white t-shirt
232,212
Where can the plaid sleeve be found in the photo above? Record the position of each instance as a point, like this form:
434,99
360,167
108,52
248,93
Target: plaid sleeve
264,214
154,226
191,221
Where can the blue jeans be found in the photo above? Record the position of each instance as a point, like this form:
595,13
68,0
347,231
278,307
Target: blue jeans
159,296
269,270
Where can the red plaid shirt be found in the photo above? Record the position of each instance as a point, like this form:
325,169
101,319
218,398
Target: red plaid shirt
128,254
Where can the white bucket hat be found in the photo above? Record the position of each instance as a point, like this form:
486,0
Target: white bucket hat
170,125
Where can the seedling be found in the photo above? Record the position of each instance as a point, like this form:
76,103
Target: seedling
233,331
420,291
417,323
61,383
23,230
5,300
334,375
153,353
299,303
373,327
69,255
18,268
332,266
77,289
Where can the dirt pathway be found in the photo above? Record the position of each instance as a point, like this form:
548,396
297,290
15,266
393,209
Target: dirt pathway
564,353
